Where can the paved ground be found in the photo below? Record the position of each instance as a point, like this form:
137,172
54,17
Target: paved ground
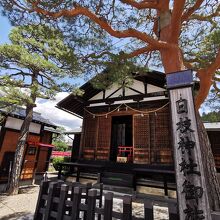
19,206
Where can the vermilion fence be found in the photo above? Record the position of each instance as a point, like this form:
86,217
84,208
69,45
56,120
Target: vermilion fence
61,154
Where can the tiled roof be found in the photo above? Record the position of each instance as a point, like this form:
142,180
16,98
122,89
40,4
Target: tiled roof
212,126
20,113
75,131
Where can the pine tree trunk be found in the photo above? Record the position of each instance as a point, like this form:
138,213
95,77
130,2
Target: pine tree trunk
212,181
172,62
19,153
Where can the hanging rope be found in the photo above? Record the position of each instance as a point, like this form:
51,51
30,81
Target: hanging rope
147,112
99,115
127,106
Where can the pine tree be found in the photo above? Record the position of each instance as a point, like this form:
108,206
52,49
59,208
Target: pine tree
35,65
174,32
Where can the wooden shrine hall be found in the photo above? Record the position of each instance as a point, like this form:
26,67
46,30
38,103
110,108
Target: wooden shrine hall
124,124
125,129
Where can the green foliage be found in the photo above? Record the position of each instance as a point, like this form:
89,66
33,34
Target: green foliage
208,49
118,70
36,64
60,145
57,160
59,140
60,136
198,37
201,51
211,116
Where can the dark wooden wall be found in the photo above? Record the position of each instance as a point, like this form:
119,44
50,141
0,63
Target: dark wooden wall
89,136
75,147
151,136
214,137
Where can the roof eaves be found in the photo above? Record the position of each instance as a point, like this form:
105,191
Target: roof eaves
37,118
63,109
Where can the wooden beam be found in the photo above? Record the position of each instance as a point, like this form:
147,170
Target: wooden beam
136,97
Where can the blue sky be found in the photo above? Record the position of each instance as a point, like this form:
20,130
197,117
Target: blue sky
45,107
5,28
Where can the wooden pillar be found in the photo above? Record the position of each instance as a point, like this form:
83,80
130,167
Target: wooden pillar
38,154
82,141
2,133
49,151
191,187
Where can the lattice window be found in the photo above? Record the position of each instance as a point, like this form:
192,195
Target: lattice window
104,138
89,137
160,130
161,147
141,133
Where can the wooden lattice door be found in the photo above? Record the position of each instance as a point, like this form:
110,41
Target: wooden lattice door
103,138
88,144
141,139
161,148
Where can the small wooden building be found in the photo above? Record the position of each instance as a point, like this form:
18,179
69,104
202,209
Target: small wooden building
38,148
213,130
124,124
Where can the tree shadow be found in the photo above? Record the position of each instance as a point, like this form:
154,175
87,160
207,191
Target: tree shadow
28,189
3,196
18,216
22,190
3,188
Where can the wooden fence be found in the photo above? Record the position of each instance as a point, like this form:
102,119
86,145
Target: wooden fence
61,154
58,200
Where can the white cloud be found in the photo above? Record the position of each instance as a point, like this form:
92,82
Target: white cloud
61,118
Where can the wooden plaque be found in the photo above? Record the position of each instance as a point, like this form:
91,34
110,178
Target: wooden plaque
191,188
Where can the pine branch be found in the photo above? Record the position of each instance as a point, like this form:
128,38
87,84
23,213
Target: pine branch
153,4
140,51
206,17
78,10
191,10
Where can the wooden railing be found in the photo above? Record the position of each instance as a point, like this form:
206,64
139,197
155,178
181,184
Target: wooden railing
100,168
58,200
